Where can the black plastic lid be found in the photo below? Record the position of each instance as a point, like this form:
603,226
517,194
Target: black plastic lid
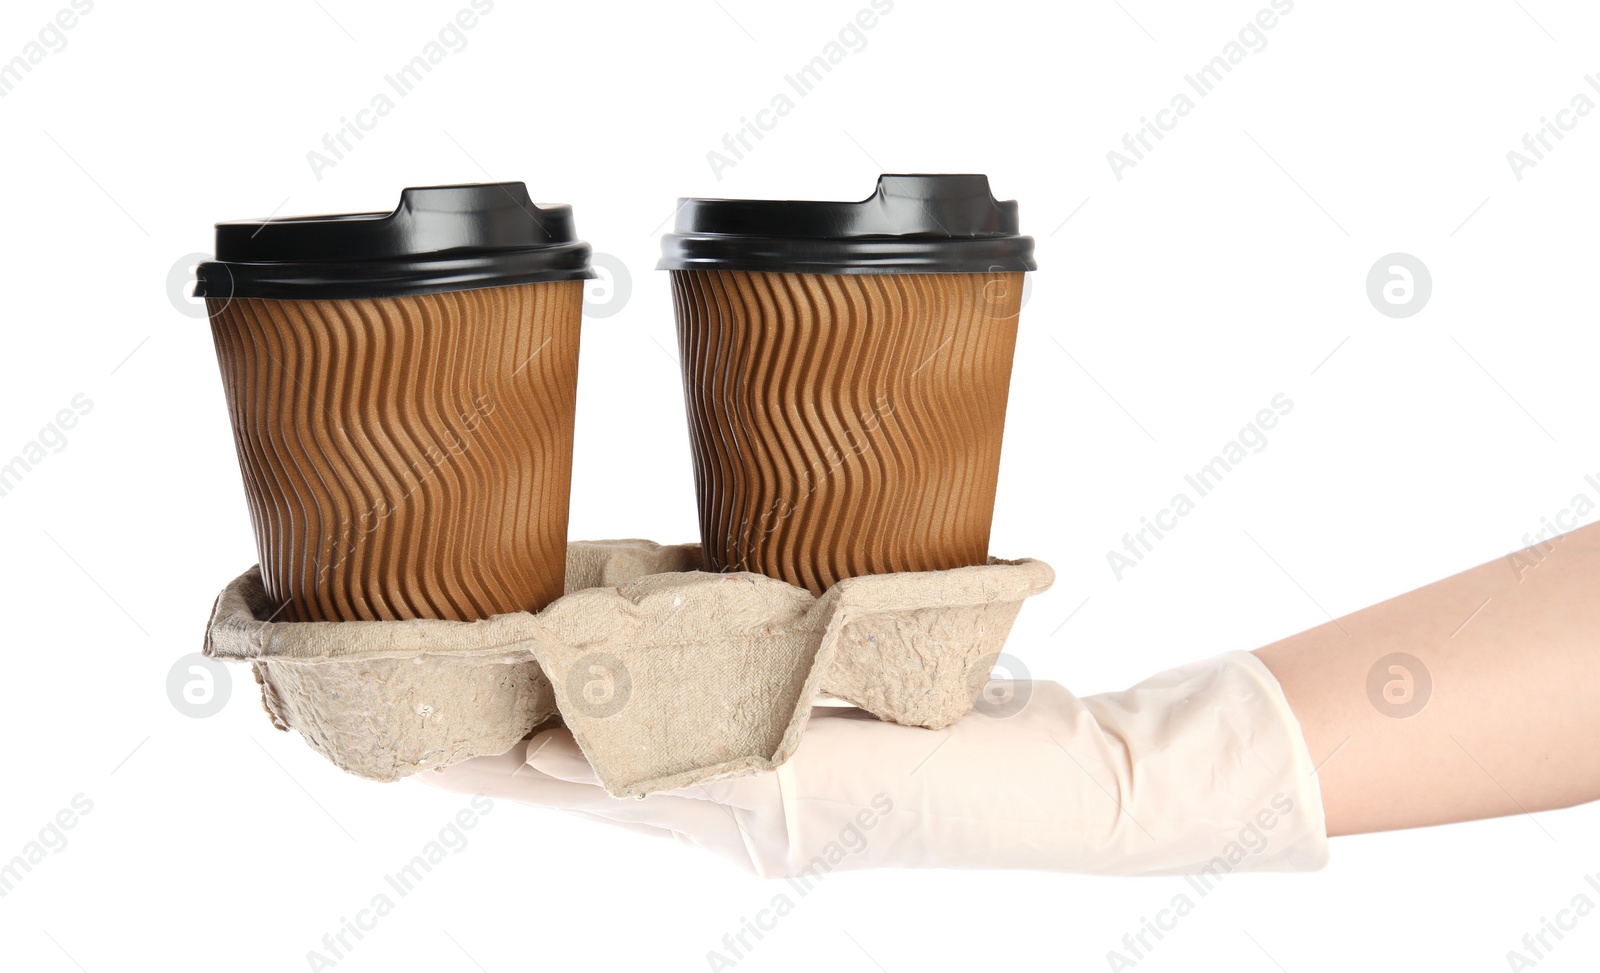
913,224
440,238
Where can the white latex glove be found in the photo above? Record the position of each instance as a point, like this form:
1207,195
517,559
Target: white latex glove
1199,769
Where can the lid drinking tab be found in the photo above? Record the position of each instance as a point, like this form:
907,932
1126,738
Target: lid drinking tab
913,223
439,238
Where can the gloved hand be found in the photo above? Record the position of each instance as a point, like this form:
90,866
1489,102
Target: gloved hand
1199,769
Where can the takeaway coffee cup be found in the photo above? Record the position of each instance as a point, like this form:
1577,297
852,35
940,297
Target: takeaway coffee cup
846,367
401,389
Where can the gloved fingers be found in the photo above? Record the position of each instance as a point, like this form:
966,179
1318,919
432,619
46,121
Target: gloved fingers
494,776
848,766
648,829
838,710
742,855
741,818
703,824
509,776
558,776
755,794
506,777
556,754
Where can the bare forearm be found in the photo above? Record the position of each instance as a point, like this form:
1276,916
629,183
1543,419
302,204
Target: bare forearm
1511,722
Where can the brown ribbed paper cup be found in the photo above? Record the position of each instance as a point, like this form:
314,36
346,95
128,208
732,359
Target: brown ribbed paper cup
407,455
848,422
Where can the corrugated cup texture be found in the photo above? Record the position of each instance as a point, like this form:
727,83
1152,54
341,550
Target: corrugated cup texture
406,457
845,424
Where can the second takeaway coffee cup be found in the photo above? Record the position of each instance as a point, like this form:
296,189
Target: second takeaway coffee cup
401,388
846,367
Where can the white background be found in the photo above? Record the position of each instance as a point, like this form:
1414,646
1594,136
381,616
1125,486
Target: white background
1173,304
